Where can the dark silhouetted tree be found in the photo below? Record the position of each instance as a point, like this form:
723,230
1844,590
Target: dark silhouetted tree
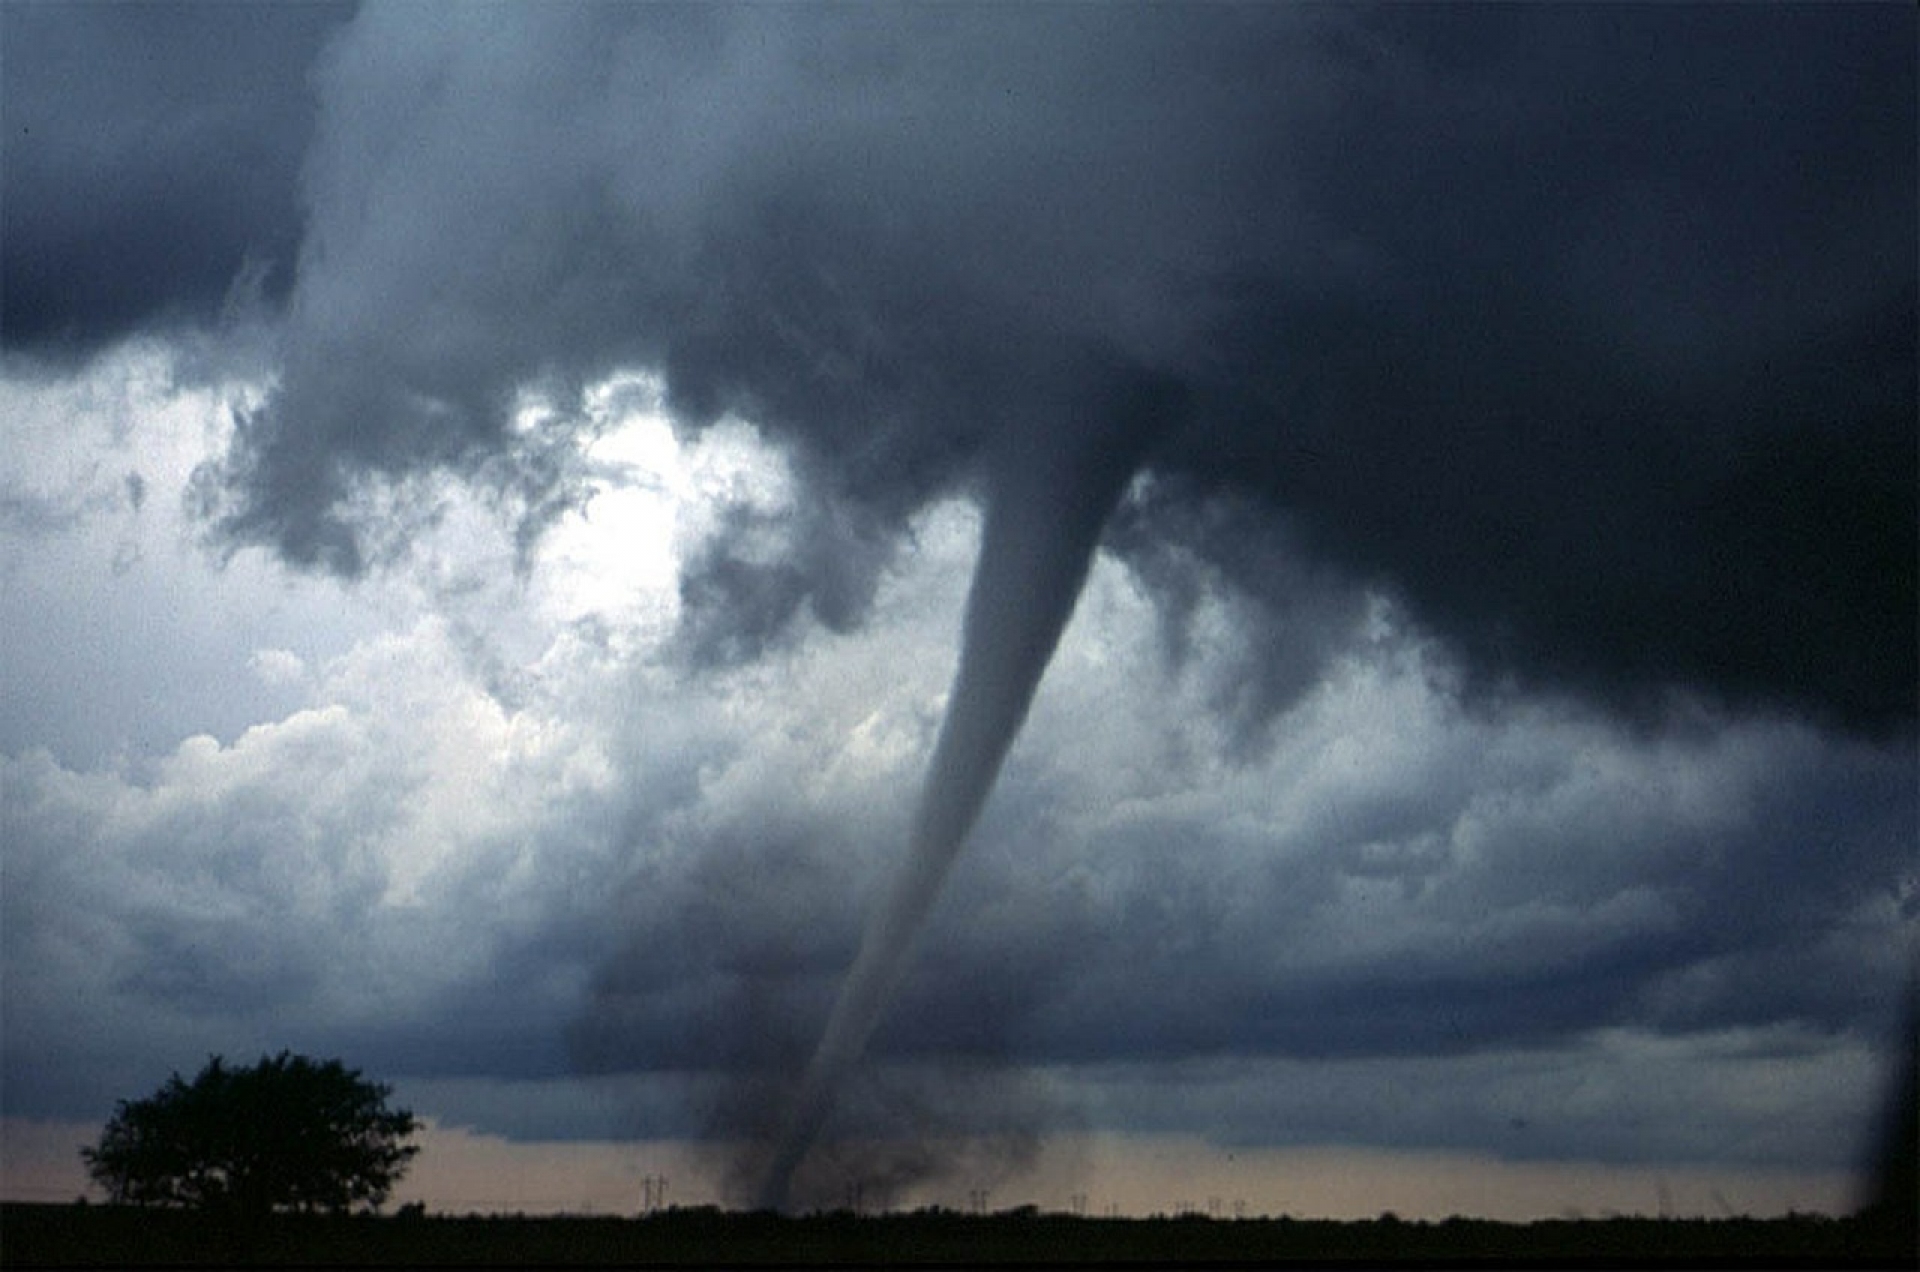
287,1133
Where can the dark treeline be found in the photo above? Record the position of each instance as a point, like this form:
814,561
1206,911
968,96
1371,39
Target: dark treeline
80,1235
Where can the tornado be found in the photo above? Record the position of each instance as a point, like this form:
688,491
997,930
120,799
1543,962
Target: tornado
1049,494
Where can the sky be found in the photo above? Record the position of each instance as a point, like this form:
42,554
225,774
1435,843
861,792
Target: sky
1342,578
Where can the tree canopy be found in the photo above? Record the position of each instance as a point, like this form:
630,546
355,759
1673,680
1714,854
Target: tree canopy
286,1133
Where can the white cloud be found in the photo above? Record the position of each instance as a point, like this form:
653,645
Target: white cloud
278,666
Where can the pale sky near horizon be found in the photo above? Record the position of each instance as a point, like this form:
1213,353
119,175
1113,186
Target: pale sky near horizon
489,507
462,1172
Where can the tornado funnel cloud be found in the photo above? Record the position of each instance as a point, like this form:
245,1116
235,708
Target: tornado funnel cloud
1048,499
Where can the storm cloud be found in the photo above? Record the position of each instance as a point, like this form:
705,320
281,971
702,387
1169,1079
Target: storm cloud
153,156
1466,458
1587,334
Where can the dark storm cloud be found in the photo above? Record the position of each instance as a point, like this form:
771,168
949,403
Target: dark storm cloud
727,962
1469,909
741,592
1290,615
152,161
1588,334
1627,396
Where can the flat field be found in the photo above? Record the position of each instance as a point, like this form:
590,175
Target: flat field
117,1236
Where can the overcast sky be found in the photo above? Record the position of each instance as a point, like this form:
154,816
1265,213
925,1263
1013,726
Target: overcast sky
491,499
